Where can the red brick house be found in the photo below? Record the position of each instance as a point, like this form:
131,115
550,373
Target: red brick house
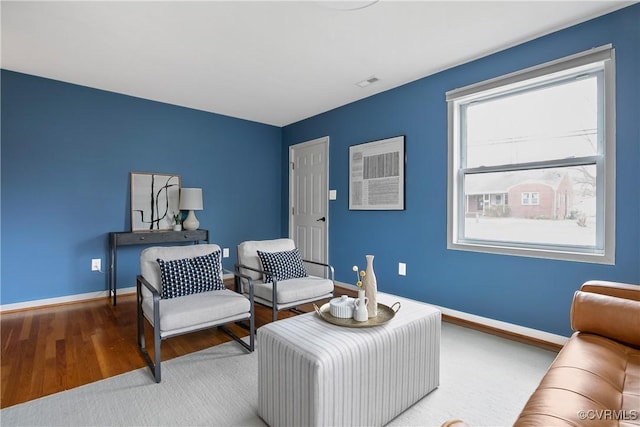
542,194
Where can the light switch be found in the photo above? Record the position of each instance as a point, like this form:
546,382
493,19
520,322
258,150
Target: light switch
402,269
225,253
333,194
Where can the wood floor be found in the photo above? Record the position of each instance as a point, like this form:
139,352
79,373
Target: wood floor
48,350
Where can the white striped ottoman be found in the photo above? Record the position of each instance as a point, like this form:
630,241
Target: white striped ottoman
313,373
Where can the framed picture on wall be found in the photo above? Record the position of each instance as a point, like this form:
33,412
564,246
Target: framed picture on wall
376,175
155,199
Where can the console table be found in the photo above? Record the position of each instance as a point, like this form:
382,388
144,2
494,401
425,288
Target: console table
126,238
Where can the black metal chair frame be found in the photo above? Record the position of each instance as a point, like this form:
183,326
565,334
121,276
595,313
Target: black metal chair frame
155,364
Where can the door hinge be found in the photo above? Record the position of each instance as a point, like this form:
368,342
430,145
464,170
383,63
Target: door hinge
293,210
293,166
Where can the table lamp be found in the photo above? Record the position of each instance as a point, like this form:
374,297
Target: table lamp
191,200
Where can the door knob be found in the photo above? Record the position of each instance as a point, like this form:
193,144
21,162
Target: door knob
323,219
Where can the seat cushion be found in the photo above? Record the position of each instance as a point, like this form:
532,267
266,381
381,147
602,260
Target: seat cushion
298,289
284,265
198,309
188,276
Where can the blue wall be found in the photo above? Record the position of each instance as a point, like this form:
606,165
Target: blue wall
526,291
67,152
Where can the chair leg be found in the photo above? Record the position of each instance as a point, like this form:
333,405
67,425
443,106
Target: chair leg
252,329
154,366
252,336
156,351
250,346
141,342
274,299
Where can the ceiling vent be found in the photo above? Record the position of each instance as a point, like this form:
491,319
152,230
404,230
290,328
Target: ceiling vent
367,82
346,4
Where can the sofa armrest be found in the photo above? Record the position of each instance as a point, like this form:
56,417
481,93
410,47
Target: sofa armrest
614,289
606,315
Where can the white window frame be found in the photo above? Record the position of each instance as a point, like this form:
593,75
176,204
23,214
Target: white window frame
529,201
604,252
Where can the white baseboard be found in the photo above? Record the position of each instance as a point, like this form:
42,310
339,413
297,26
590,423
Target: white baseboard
492,323
71,298
62,300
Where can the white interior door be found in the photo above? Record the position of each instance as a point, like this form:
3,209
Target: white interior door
308,195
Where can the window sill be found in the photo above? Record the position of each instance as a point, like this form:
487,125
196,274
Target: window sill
595,258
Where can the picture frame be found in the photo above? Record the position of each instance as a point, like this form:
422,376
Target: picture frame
155,199
377,175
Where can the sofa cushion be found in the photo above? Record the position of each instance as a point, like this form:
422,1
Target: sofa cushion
612,317
284,265
615,289
188,276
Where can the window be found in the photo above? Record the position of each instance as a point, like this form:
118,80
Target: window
530,198
531,161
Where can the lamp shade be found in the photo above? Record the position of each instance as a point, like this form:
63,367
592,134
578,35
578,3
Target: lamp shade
191,199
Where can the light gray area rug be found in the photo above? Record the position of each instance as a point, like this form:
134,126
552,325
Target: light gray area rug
484,380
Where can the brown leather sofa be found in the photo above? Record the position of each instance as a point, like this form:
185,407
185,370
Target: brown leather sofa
595,379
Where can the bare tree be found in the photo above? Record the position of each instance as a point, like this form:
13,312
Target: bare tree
586,182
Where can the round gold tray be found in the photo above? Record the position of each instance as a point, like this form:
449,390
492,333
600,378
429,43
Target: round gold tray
385,314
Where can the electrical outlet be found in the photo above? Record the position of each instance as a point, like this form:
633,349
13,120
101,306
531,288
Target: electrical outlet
225,253
402,269
96,264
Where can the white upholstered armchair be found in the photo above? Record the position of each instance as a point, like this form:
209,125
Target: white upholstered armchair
280,280
180,290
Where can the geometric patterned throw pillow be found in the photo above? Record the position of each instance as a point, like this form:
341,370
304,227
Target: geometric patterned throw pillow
284,265
188,276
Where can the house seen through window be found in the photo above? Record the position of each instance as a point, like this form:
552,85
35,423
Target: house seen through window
531,168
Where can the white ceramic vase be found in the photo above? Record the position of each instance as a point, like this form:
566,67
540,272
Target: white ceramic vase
371,287
360,313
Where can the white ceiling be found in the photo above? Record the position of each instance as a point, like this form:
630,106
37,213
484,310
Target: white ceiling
270,62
